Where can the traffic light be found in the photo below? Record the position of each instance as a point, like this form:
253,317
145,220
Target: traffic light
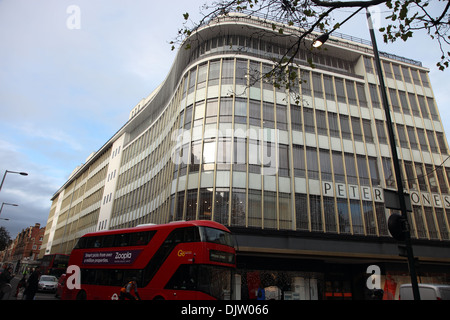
396,226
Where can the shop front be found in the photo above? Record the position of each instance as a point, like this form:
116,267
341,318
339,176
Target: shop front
274,265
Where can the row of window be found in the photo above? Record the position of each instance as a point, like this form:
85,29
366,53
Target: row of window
271,210
400,73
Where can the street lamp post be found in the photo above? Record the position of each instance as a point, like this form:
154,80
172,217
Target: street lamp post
404,219
398,176
7,171
8,204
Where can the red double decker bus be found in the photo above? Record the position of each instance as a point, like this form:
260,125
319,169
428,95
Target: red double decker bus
185,260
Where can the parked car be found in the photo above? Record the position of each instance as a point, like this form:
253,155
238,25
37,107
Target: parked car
48,283
61,285
426,291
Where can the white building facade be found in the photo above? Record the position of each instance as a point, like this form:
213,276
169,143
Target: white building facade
299,182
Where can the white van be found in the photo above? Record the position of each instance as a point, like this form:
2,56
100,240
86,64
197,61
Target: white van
427,292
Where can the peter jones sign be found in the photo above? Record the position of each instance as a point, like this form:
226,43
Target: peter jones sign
366,193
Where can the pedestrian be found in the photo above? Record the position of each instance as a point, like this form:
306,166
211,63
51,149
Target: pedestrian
125,292
22,283
32,285
5,278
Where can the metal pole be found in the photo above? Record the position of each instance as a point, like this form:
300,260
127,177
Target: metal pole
401,196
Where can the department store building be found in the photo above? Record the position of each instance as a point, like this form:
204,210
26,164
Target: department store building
297,175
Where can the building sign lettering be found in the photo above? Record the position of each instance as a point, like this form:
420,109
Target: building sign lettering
352,191
366,193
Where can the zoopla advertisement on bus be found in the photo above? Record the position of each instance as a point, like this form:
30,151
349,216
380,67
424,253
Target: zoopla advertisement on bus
111,257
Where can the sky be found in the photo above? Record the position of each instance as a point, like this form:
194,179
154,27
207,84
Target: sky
71,71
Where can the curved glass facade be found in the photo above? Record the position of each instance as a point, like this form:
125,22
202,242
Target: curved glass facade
219,141
232,147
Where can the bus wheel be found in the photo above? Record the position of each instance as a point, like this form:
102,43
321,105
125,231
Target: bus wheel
81,295
158,298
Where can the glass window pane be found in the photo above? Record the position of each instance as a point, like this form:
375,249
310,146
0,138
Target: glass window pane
254,208
270,209
221,205
301,211
238,207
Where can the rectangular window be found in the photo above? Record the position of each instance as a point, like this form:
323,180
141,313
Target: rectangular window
240,154
209,151
311,160
227,71
345,127
389,175
284,204
432,108
202,75
196,156
226,110
211,110
394,101
374,96
255,113
316,213
404,102
321,122
432,141
296,117
254,156
270,210
351,169
283,160
221,205
299,161
423,107
308,116
317,85
367,126
301,211
240,111
406,75
338,167
374,173
191,204
369,218
387,70
238,207
381,132
344,222
330,216
361,95
179,207
205,204
357,133
254,208
413,103
268,115
223,150
362,170
420,225
351,94
241,72
214,73
340,91
432,231
355,210
325,165
422,139
329,87
333,124
398,75
412,137
281,117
